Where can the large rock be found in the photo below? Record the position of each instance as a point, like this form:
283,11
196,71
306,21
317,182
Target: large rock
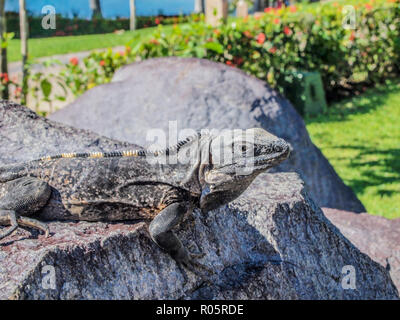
376,236
202,94
271,243
26,136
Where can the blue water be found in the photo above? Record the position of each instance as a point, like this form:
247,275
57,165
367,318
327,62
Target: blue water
110,8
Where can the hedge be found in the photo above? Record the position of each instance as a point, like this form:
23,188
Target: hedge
77,26
310,38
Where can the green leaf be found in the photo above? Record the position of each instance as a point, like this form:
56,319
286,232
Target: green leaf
214,46
46,87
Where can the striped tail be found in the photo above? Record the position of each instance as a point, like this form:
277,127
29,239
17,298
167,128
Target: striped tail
92,155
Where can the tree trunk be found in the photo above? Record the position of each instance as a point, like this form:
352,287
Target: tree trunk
23,26
132,5
3,50
199,6
96,9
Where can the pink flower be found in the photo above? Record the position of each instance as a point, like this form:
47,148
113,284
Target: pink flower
261,38
74,61
368,6
287,31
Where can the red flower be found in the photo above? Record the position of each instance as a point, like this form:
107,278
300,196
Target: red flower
216,32
292,8
272,50
261,38
287,31
74,61
102,63
229,63
368,6
5,77
247,34
238,60
154,41
352,36
268,10
276,21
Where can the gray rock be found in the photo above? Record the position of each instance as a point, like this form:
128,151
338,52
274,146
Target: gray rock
271,243
376,236
26,136
202,94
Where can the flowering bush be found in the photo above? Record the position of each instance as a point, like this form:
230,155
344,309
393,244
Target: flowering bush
268,46
296,38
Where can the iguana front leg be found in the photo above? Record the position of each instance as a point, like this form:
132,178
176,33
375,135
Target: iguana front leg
23,196
8,217
165,238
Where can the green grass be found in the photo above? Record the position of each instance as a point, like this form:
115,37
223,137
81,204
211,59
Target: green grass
44,47
361,139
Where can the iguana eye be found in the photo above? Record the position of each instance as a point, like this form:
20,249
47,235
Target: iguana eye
243,149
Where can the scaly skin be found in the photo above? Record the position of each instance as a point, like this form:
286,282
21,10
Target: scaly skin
160,186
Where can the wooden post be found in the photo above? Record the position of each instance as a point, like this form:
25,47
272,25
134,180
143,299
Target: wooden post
199,6
95,6
3,49
24,31
242,9
132,24
216,12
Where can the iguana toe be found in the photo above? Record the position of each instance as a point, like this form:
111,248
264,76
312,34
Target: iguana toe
35,224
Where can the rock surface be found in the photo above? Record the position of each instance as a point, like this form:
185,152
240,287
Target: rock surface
202,94
271,243
376,236
26,136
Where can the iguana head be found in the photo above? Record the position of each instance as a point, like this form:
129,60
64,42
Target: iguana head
236,157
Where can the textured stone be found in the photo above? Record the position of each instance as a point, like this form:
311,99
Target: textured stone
273,242
202,94
26,136
376,236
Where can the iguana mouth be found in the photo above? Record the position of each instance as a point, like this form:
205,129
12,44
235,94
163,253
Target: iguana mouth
272,158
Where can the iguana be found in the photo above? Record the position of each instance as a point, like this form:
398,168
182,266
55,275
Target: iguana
204,171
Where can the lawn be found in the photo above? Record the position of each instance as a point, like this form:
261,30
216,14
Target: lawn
361,139
43,47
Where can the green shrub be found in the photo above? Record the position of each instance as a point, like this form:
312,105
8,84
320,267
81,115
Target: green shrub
308,38
78,26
